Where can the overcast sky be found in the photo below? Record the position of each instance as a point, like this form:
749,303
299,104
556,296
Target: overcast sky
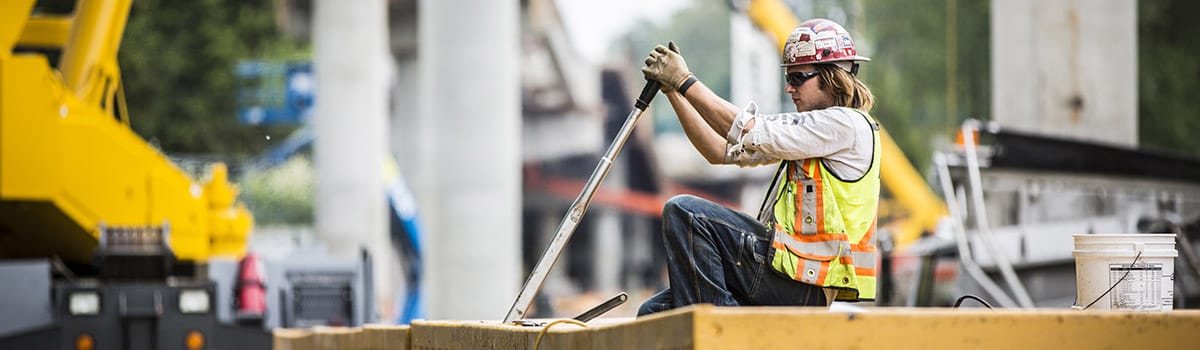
593,24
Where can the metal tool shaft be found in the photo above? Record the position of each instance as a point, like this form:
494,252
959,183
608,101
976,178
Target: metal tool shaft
567,227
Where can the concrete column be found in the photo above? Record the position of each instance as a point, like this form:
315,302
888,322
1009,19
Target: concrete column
469,190
408,125
353,67
1066,68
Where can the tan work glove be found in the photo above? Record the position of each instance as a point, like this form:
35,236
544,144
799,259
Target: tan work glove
666,66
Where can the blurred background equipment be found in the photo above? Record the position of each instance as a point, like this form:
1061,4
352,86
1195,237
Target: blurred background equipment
128,234
116,242
271,92
1019,198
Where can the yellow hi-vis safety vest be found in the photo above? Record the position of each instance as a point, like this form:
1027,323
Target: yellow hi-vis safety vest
825,226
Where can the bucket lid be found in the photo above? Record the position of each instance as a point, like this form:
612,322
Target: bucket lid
1152,245
1143,238
1124,253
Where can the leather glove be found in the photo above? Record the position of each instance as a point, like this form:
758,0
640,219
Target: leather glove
666,66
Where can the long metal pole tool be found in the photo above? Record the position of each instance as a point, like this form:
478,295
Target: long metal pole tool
567,227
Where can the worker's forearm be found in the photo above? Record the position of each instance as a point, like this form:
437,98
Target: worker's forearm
709,143
716,111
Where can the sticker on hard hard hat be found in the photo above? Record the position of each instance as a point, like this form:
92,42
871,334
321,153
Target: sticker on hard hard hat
826,43
847,42
800,49
805,49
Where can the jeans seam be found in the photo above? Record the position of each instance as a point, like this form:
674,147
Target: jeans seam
731,228
765,266
758,277
692,261
757,268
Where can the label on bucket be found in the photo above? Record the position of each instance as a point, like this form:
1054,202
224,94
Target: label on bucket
1168,299
1140,290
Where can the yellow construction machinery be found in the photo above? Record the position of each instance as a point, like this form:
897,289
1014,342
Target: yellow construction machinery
107,240
69,162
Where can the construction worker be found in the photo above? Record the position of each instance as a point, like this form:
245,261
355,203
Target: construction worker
813,241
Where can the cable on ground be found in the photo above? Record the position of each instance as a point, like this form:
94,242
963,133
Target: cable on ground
538,342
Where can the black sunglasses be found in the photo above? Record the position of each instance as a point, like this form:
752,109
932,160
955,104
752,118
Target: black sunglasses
798,78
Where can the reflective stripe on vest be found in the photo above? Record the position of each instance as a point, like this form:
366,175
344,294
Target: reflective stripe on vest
825,234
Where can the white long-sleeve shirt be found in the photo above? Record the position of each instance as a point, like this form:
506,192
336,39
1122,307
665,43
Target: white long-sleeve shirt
841,136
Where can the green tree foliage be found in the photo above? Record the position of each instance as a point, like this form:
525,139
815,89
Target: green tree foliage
177,60
281,195
1169,76
911,70
702,33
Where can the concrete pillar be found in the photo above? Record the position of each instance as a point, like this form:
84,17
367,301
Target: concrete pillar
353,67
1066,68
408,125
469,187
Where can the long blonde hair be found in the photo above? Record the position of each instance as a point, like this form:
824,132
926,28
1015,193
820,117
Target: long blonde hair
846,89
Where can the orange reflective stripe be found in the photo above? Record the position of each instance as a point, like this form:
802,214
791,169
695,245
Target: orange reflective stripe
864,272
820,237
865,244
798,216
799,270
820,212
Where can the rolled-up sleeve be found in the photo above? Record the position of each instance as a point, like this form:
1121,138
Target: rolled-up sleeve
735,151
788,136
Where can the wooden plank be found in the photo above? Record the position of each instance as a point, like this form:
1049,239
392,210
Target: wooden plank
943,328
391,337
336,338
709,327
449,335
292,339
603,333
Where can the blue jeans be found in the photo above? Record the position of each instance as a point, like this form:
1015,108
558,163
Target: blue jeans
720,256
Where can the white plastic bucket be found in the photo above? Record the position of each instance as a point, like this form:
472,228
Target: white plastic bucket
1102,260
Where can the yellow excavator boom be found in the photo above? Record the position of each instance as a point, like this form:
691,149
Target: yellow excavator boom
70,164
897,173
